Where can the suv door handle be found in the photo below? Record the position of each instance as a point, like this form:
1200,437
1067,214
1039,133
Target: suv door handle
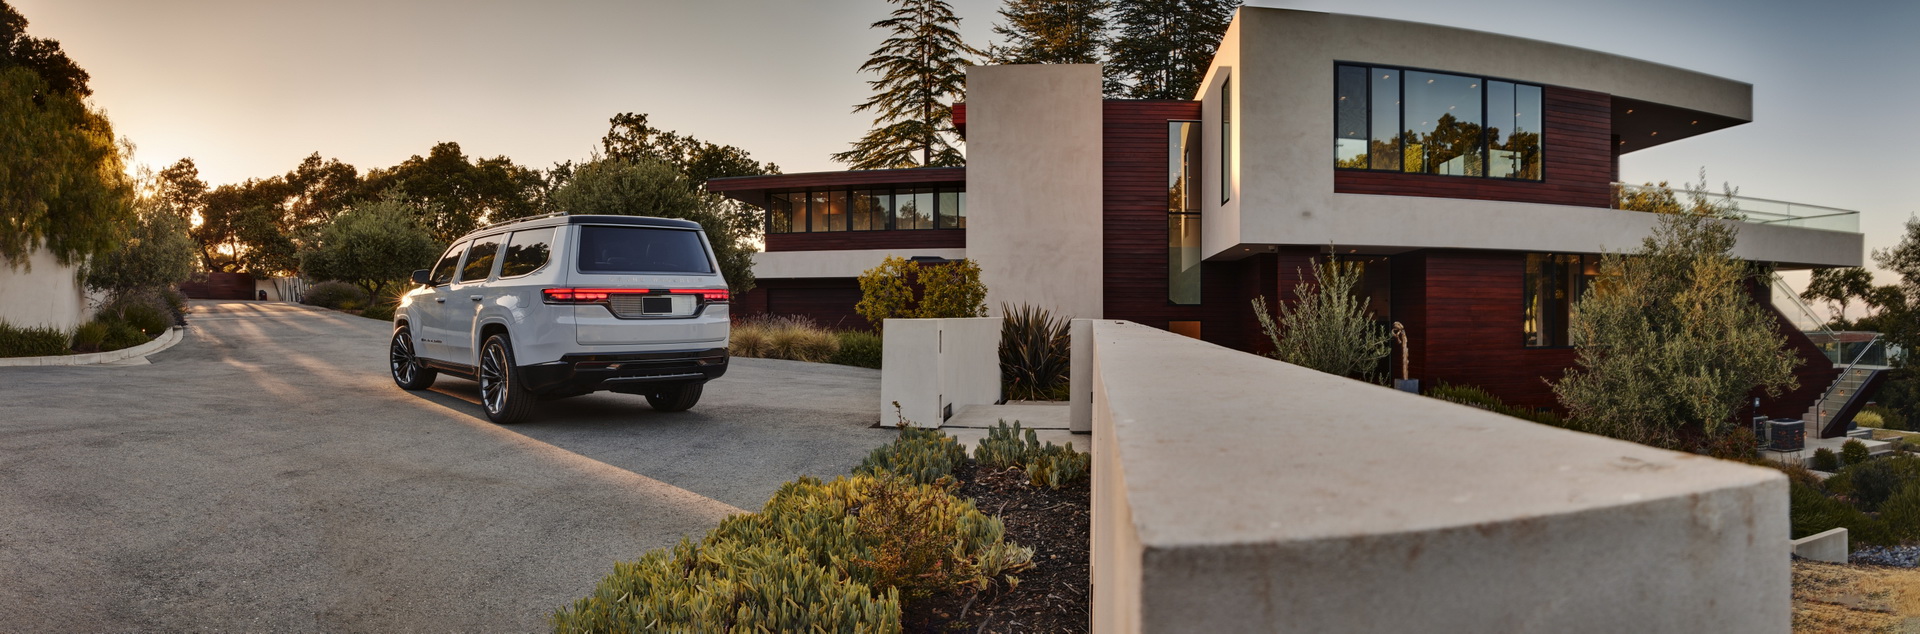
474,297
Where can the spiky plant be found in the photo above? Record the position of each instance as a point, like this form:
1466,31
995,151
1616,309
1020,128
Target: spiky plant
1035,352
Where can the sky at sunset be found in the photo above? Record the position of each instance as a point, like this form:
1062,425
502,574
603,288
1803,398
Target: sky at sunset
249,87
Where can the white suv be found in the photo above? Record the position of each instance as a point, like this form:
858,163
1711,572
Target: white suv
557,306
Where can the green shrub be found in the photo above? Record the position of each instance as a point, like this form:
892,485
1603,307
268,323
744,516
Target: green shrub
948,290
1477,397
1824,460
1871,482
149,318
1854,452
1046,464
919,455
121,334
1901,512
16,341
1868,418
1888,418
335,295
1035,353
790,337
858,348
820,556
89,337
175,300
1812,512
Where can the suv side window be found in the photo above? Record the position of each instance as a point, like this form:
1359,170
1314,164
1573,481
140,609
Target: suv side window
480,259
527,251
443,270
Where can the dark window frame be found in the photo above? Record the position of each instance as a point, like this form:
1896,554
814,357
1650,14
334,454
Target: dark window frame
1586,281
1485,144
800,206
506,249
493,266
1226,139
1200,276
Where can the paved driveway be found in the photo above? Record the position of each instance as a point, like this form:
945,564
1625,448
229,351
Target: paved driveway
266,475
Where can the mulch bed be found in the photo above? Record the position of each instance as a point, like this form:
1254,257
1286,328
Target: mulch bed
1053,595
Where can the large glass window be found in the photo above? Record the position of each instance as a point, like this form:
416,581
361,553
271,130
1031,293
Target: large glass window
1513,130
1226,140
1436,123
1350,117
480,259
1183,212
1553,283
1442,121
952,215
527,251
870,210
780,214
913,208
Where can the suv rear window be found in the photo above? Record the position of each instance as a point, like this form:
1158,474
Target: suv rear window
606,249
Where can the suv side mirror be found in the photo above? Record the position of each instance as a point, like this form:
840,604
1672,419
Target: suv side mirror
423,277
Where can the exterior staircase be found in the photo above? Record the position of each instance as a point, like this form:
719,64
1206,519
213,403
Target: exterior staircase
1837,396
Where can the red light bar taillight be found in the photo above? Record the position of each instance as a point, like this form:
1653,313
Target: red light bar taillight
599,295
708,295
574,295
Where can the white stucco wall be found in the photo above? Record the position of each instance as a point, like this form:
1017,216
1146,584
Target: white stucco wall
837,263
43,293
1281,62
1034,185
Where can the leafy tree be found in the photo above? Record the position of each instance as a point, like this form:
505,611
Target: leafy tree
1051,32
374,246
1329,329
242,229
1670,344
653,188
1839,286
63,186
922,70
159,252
630,137
462,194
1165,46
321,190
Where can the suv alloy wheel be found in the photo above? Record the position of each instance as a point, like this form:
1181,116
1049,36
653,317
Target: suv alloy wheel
501,392
408,372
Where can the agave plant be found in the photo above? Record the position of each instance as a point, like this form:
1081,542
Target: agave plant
1034,353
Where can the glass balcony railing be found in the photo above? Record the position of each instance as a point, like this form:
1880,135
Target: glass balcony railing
1755,210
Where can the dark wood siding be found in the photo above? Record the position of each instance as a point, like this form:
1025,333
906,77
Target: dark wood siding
219,286
830,241
1464,316
1579,162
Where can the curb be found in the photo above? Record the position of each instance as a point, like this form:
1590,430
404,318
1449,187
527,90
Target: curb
164,341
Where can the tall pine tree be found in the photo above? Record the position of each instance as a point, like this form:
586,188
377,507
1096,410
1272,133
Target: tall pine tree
922,70
1051,32
1164,46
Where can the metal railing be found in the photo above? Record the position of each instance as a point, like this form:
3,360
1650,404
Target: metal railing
1873,355
1764,211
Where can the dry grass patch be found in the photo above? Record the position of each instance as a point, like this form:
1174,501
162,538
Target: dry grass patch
1834,598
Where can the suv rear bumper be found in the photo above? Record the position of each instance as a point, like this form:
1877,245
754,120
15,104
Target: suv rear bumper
587,372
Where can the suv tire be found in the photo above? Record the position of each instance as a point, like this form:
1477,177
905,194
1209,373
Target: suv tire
408,372
675,398
502,393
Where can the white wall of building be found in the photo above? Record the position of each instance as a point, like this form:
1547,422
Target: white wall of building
44,293
1281,62
837,263
1034,189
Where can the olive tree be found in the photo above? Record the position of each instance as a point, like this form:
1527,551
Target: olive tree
645,187
1670,342
1329,329
374,246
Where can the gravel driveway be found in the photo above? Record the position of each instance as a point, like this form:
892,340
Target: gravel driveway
266,475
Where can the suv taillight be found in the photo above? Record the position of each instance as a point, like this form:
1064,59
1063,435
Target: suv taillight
600,295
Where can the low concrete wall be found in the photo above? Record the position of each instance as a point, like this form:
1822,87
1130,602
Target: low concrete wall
928,365
1237,493
1829,546
45,293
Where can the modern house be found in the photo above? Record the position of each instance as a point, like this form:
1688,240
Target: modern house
1473,174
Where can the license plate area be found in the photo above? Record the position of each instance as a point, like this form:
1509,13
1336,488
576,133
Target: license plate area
634,306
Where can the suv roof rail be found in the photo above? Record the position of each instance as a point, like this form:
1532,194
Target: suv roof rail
503,223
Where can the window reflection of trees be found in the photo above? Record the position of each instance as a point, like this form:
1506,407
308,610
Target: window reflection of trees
1447,124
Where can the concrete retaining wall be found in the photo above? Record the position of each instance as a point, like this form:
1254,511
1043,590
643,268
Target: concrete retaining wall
928,365
1237,493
